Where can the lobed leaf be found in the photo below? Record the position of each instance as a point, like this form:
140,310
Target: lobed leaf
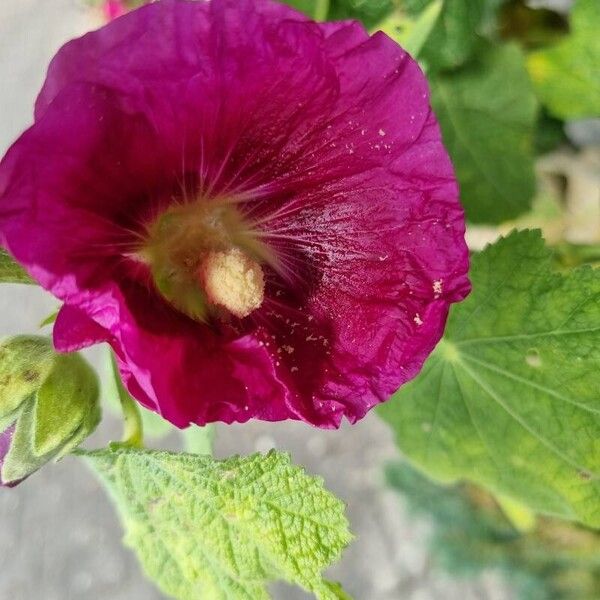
210,529
510,398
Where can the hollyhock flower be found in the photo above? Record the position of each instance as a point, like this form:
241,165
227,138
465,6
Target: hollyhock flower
253,209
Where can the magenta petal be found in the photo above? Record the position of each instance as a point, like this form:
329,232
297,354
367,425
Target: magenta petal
74,330
326,139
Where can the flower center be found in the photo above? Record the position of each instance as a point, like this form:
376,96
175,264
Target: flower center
206,260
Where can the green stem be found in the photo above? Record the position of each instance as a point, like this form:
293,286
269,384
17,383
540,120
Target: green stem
199,440
574,255
133,434
321,10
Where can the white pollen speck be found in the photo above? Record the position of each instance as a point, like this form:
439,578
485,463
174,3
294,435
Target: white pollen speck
294,369
382,133
437,287
418,320
289,349
363,131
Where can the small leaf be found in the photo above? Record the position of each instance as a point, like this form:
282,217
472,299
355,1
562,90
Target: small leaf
306,6
412,34
510,397
11,271
453,37
49,320
317,9
370,12
567,75
212,529
488,129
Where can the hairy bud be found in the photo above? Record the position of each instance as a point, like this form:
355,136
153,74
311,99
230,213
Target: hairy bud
48,405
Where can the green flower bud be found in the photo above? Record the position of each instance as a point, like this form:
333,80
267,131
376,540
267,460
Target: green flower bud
48,405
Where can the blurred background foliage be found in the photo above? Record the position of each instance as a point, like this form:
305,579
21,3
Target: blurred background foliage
547,559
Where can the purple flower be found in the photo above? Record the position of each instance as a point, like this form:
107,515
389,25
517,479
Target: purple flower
254,210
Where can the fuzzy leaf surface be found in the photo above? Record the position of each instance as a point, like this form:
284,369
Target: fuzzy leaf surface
221,530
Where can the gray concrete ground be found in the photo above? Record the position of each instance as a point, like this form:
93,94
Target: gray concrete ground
59,537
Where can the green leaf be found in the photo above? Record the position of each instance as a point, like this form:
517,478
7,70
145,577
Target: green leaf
412,34
49,320
567,75
216,530
370,12
488,127
510,398
11,271
306,6
454,37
